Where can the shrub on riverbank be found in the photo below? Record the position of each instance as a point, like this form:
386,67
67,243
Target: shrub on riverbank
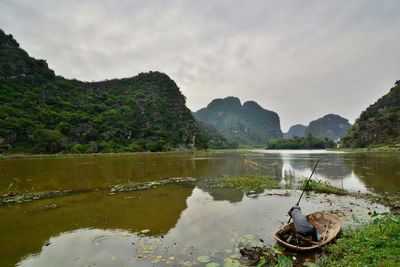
307,142
250,182
375,245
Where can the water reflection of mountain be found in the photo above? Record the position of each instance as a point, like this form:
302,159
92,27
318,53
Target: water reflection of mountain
378,171
26,227
221,194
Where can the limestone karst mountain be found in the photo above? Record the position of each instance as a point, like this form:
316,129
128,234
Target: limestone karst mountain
331,126
295,130
44,113
379,124
245,124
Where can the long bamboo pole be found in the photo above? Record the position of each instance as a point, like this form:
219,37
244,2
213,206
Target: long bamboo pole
308,180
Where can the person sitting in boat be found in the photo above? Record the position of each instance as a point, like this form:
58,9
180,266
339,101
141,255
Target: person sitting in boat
301,224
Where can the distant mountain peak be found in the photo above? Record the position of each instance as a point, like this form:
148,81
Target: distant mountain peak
15,62
295,130
247,124
227,103
252,105
331,126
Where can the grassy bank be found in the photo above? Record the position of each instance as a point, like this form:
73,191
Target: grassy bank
377,244
391,148
122,154
30,196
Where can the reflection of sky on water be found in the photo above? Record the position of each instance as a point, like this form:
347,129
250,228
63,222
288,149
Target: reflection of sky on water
332,166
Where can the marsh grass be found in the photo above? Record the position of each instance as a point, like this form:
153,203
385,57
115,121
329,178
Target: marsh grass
134,186
29,196
367,246
250,182
319,186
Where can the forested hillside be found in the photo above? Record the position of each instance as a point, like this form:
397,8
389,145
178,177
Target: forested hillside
209,137
245,124
44,113
379,124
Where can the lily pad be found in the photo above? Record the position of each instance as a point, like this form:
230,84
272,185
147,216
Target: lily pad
145,231
228,250
203,259
212,264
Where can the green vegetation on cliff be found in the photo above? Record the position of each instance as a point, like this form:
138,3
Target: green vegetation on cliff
209,137
308,142
379,124
44,113
246,124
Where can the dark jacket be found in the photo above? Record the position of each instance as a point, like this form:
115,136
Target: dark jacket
300,221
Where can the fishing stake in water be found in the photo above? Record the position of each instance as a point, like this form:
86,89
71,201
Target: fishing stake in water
308,180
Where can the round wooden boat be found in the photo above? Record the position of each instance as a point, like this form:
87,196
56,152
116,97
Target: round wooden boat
327,225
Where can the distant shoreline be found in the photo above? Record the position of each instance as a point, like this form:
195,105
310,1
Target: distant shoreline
195,152
368,149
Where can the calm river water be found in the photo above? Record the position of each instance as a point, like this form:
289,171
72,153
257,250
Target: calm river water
96,228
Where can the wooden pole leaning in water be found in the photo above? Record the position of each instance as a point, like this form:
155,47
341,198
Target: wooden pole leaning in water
308,180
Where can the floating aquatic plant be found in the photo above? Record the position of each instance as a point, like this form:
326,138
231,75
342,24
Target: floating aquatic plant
203,259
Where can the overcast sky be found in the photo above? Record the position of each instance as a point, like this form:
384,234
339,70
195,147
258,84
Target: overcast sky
301,59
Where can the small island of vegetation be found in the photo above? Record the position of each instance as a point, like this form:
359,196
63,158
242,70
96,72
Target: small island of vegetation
307,142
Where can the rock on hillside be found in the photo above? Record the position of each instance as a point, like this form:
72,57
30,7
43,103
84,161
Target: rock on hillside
245,124
296,130
331,126
379,124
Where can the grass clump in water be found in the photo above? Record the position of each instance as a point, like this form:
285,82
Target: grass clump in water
319,186
377,244
250,182
122,187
